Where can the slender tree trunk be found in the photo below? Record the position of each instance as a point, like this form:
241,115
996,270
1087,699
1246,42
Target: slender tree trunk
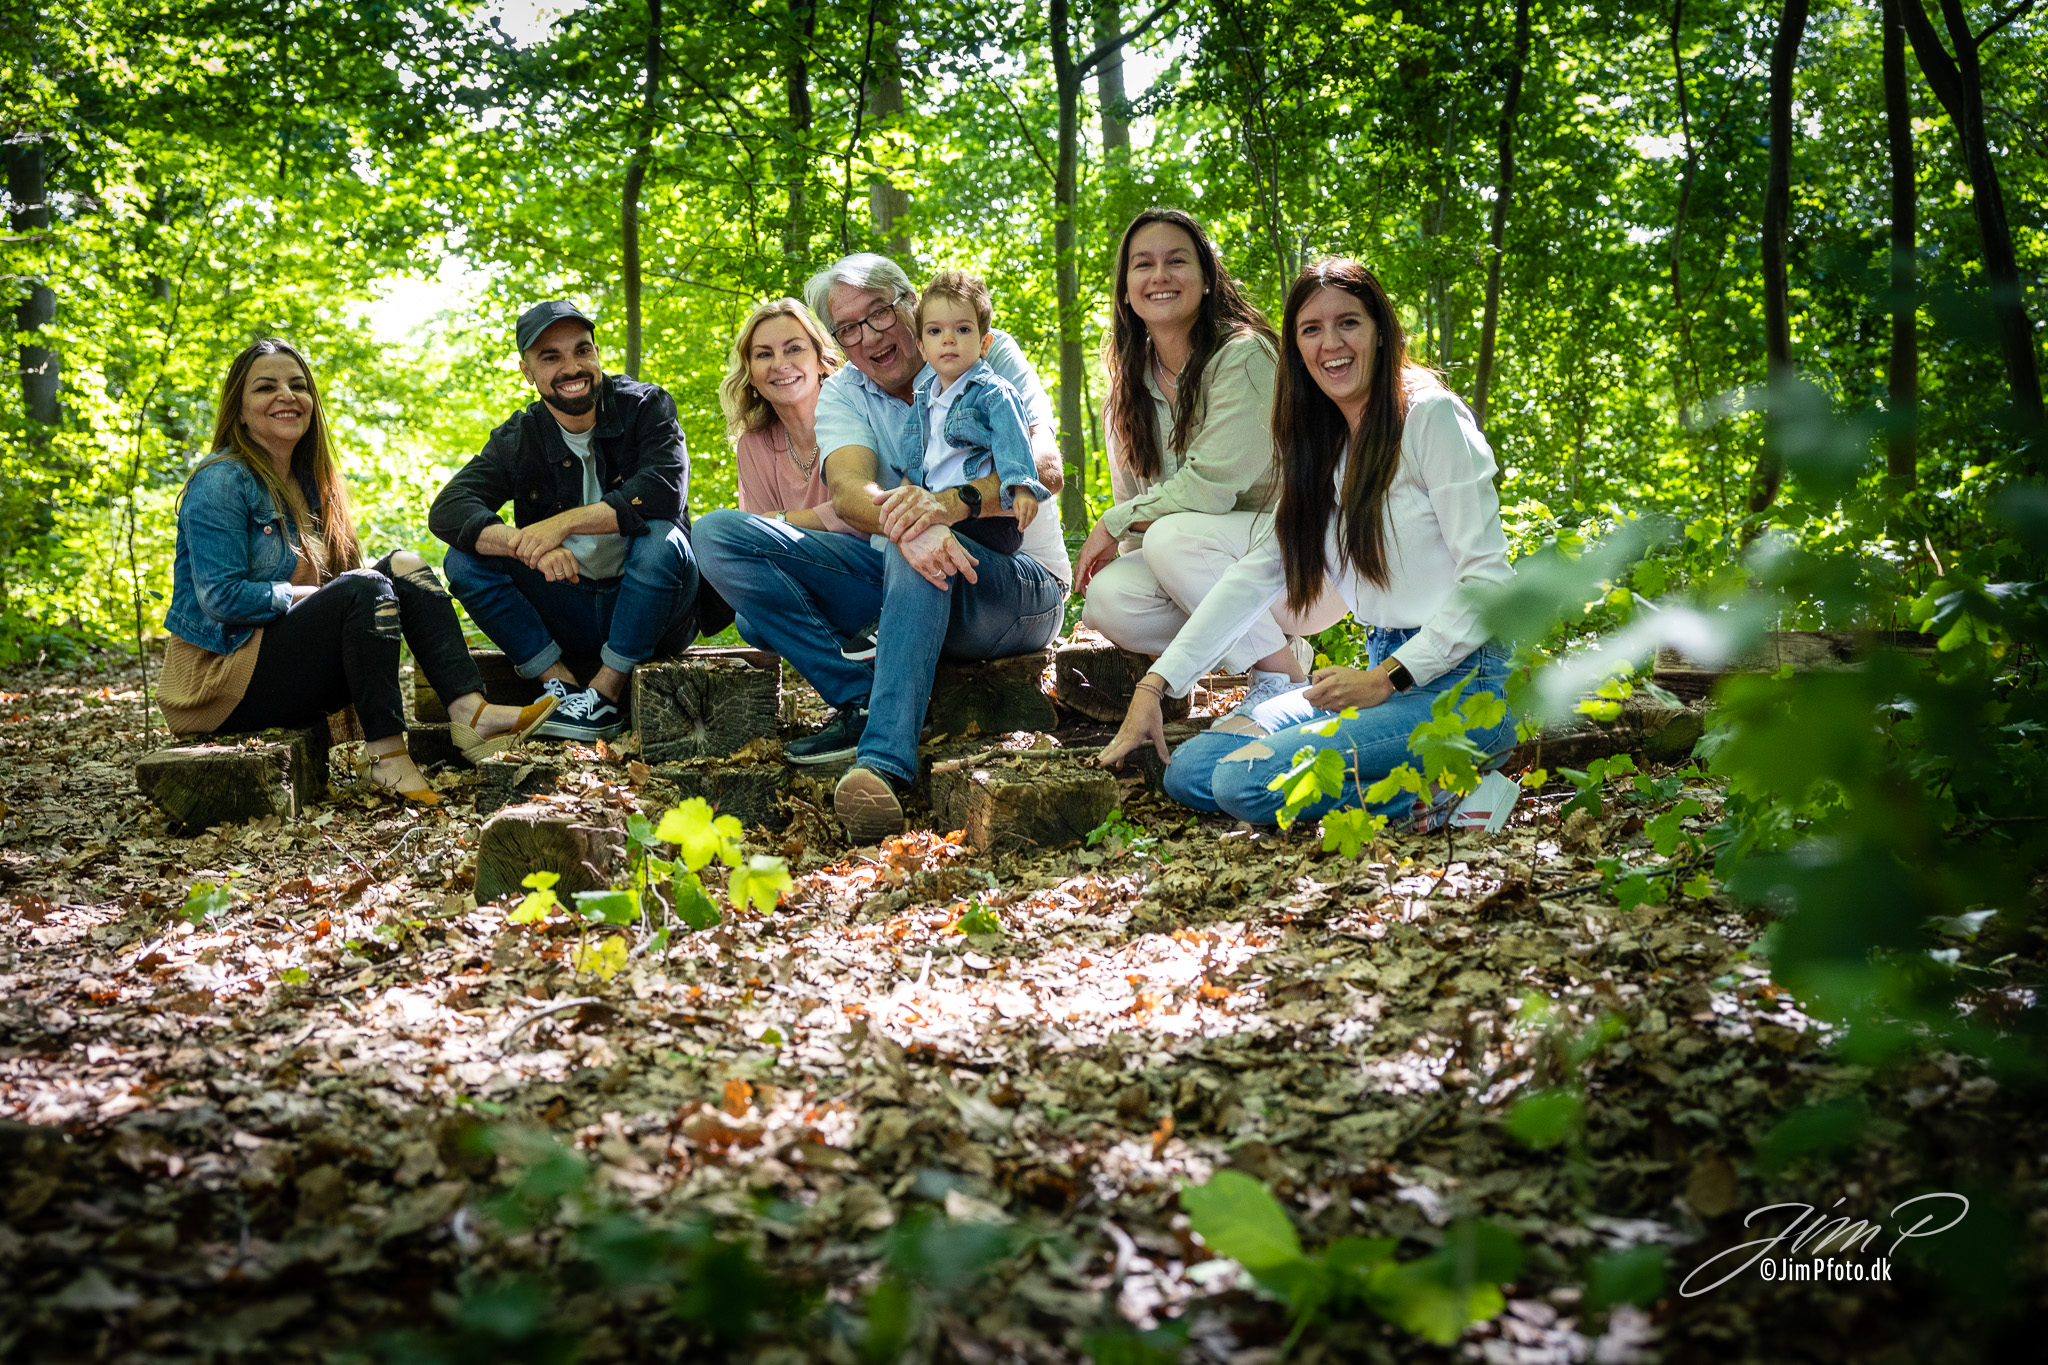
1109,88
796,229
636,177
1504,190
887,204
1066,271
1688,174
1902,371
1958,82
1770,472
28,192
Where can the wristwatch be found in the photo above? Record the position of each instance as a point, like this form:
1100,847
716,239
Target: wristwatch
1397,673
970,498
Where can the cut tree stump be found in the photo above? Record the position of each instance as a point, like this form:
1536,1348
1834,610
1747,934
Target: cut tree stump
751,793
233,778
1807,651
509,781
991,697
1004,808
432,745
520,840
1095,678
502,684
705,705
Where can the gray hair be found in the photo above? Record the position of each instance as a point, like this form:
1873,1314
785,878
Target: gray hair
861,270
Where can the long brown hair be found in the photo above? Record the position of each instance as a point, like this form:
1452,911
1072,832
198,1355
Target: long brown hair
312,460
1226,314
745,409
1310,435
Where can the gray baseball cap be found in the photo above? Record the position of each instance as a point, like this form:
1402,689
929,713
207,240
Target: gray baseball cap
542,316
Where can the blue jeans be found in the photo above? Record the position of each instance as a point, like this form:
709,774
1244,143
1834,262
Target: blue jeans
648,610
799,592
1218,771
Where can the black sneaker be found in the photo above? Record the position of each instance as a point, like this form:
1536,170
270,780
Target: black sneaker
833,742
860,646
588,716
869,804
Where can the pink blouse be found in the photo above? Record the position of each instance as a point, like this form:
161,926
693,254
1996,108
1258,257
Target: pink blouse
770,481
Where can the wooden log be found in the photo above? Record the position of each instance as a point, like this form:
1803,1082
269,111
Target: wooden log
234,778
752,793
509,781
502,684
1093,677
1806,651
1005,808
519,840
1665,734
432,745
992,697
697,707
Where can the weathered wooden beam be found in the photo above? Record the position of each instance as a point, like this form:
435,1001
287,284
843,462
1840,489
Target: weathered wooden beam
1006,806
1805,651
752,793
509,781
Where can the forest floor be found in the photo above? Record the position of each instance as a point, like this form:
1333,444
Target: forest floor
256,1134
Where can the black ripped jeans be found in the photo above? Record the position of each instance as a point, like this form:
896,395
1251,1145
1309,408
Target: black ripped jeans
339,648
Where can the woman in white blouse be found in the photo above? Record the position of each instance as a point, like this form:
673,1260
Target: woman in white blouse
1386,494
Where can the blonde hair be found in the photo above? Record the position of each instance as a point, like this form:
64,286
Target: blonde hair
312,461
746,409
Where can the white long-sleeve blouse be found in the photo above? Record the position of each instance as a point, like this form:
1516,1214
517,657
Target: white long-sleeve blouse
1443,534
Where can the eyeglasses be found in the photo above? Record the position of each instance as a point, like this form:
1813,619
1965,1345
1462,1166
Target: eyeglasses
879,319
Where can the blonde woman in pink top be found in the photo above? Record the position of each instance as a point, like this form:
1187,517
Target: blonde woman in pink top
770,396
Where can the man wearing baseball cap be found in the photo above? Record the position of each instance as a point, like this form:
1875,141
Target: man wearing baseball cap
597,560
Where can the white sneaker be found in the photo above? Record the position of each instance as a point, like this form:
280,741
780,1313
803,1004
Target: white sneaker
1264,687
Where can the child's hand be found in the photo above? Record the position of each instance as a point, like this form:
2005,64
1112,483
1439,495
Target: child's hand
1023,506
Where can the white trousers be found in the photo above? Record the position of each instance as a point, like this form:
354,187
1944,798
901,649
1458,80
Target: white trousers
1142,598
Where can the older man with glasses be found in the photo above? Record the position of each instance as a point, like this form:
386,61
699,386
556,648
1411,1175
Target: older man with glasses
801,592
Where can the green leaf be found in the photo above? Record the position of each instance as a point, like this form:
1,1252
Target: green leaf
978,920
295,976
205,900
1546,1117
640,831
540,881
1351,831
1667,830
699,836
693,907
760,883
613,907
1237,1218
1632,1276
605,959
537,904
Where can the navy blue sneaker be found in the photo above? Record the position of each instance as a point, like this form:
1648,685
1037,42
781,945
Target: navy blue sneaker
835,741
588,716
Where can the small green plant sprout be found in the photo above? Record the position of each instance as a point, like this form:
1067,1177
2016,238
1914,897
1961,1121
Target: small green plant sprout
1435,1297
1351,832
981,925
1591,782
207,900
759,882
540,900
701,838
1118,834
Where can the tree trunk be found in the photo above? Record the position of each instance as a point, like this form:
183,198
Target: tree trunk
1109,88
1066,271
1958,82
636,177
1686,178
1489,331
28,192
887,204
1902,371
796,230
1770,471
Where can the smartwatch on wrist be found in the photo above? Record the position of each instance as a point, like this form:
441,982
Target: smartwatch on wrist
970,498
1397,673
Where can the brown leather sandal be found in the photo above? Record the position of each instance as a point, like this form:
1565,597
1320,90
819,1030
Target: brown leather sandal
475,747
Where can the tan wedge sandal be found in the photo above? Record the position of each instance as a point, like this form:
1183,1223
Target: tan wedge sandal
418,796
475,747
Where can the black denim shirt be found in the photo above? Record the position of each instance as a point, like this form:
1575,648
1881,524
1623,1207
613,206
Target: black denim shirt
642,467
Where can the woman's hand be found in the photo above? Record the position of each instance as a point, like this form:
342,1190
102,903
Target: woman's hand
1336,688
1142,721
1096,551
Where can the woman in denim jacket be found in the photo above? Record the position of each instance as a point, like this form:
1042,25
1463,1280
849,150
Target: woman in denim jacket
274,622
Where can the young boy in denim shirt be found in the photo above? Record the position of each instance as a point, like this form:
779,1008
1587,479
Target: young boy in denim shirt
968,418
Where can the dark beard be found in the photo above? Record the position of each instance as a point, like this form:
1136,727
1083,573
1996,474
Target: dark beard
576,407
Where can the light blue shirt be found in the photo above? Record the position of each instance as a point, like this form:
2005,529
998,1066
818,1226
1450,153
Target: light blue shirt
853,410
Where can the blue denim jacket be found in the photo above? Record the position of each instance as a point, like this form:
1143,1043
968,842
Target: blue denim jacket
235,559
987,421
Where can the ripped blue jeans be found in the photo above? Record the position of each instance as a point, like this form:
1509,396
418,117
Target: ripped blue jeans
1219,771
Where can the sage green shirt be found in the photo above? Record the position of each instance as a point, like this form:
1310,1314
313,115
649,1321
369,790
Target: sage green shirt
1228,463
